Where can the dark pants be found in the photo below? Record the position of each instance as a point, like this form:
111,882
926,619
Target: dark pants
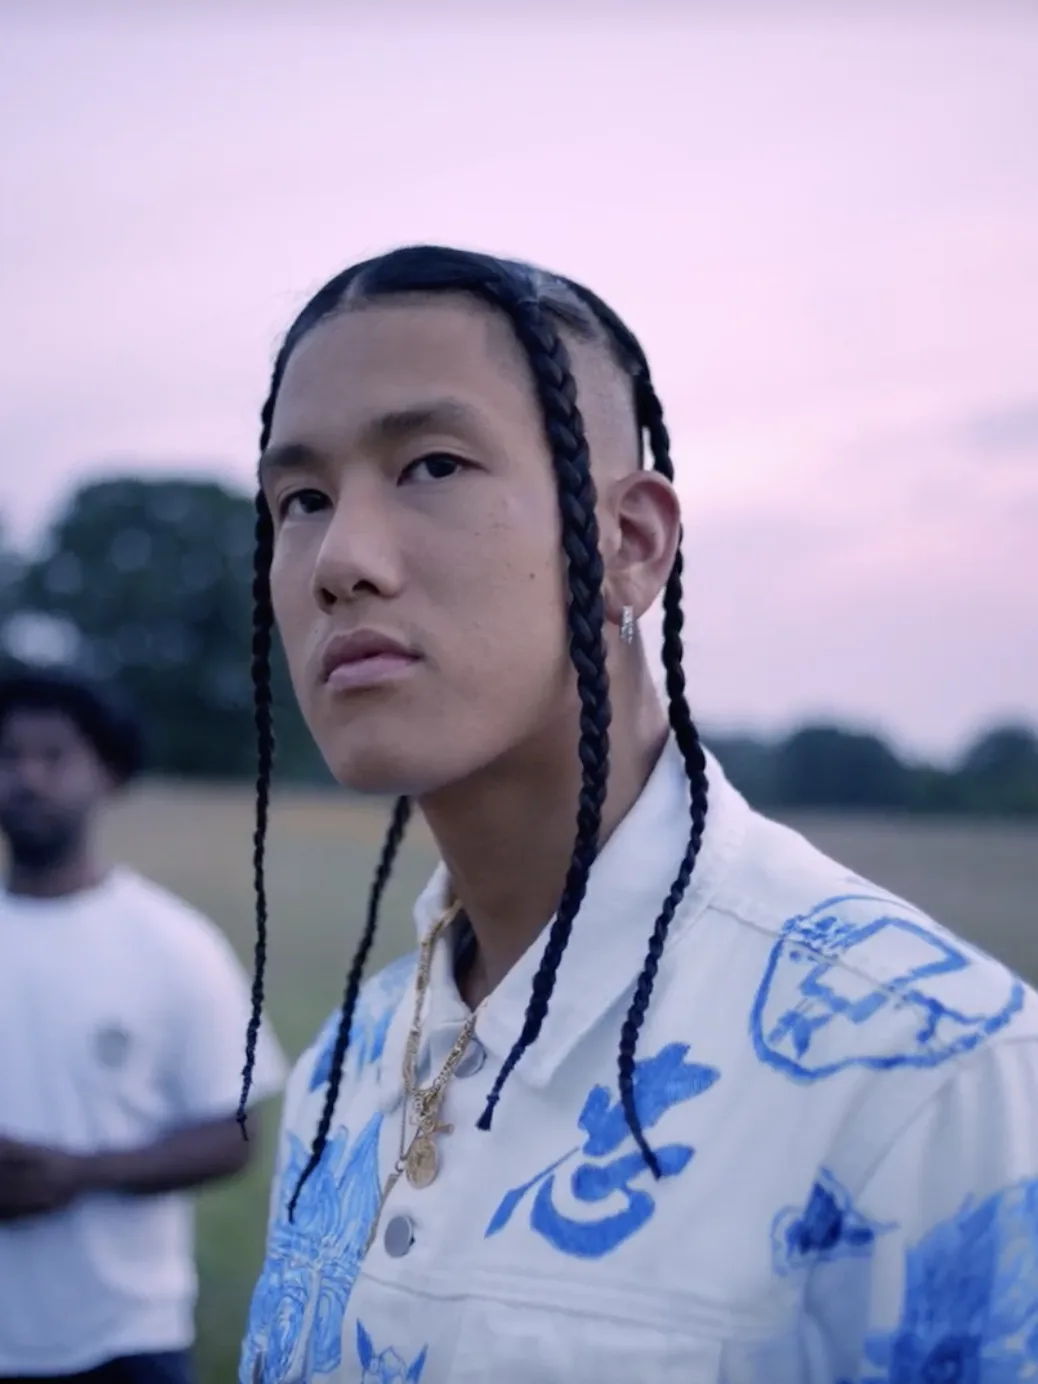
170,1367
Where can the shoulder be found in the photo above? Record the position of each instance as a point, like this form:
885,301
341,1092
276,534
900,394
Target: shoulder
849,975
173,931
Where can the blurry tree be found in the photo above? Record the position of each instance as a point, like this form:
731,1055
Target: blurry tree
935,790
835,768
11,567
156,576
824,766
999,772
751,764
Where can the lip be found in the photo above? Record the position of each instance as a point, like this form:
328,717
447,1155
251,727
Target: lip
28,806
365,658
31,814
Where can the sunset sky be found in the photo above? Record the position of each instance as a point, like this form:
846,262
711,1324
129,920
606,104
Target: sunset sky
825,233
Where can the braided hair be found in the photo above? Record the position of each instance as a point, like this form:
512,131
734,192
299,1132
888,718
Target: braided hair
539,307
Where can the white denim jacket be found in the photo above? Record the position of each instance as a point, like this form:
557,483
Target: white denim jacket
842,1095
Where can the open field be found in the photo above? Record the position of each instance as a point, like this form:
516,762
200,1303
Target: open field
981,879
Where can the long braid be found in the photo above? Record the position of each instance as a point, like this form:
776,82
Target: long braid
557,392
395,834
324,302
650,415
262,699
262,638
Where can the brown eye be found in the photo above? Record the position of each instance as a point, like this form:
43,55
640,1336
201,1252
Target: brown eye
435,466
298,504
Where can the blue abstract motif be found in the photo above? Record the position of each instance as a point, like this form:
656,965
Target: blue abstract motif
389,1367
828,1227
379,1001
660,1082
818,985
969,1311
299,1304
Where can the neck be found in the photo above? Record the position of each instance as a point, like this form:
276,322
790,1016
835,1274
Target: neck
56,879
506,836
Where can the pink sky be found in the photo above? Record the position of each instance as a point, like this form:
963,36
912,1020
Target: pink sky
825,233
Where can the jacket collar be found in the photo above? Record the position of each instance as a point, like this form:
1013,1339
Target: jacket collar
626,888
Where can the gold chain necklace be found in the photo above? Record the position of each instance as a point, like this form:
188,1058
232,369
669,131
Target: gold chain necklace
419,1158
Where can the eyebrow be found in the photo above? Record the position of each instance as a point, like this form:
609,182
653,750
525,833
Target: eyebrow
397,425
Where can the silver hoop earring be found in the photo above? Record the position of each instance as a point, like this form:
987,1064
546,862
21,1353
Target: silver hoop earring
627,625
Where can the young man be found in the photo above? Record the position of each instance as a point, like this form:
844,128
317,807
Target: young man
121,1019
667,1095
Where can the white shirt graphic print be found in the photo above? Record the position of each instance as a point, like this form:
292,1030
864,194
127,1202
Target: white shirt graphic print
843,1101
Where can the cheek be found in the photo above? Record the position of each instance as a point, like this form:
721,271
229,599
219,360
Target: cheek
295,610
503,593
81,790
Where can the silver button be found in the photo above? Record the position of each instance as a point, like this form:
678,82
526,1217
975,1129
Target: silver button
472,1059
398,1237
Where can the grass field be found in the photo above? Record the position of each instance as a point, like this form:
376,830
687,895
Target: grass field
981,879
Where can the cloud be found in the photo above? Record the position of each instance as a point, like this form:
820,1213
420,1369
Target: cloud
1009,433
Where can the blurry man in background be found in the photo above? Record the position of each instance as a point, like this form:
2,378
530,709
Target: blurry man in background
121,1020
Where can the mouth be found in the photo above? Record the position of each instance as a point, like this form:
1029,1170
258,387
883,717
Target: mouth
30,817
365,658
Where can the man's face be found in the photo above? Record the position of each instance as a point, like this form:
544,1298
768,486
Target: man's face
51,782
415,508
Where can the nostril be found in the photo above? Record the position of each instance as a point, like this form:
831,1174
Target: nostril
364,588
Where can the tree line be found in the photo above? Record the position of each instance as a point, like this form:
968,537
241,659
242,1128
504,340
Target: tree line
147,583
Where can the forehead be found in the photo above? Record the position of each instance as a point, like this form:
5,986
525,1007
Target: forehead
389,357
41,727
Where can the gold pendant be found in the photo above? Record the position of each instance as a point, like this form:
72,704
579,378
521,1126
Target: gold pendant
422,1161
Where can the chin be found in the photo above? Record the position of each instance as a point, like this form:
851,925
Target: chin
396,749
389,768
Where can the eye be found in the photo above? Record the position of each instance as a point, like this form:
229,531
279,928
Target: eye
435,466
298,504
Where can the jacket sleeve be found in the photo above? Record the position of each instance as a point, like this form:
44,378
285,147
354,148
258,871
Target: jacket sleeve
932,1272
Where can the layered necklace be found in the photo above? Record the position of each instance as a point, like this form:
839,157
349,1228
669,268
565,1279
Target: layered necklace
418,1158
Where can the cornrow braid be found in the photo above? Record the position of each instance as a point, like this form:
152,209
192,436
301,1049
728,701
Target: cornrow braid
564,426
650,421
262,643
262,638
650,416
397,826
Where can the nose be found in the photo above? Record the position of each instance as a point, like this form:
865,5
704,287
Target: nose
29,775
360,554
22,792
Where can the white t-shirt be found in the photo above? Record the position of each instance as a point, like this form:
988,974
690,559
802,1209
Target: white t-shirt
122,1018
842,1095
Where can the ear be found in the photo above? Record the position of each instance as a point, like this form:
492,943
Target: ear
365,1350
642,523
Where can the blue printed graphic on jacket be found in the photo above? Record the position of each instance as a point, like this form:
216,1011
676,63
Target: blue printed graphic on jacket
299,1304
389,1366
815,1010
379,1001
660,1082
828,1227
969,1311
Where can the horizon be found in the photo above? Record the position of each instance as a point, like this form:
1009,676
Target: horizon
825,233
